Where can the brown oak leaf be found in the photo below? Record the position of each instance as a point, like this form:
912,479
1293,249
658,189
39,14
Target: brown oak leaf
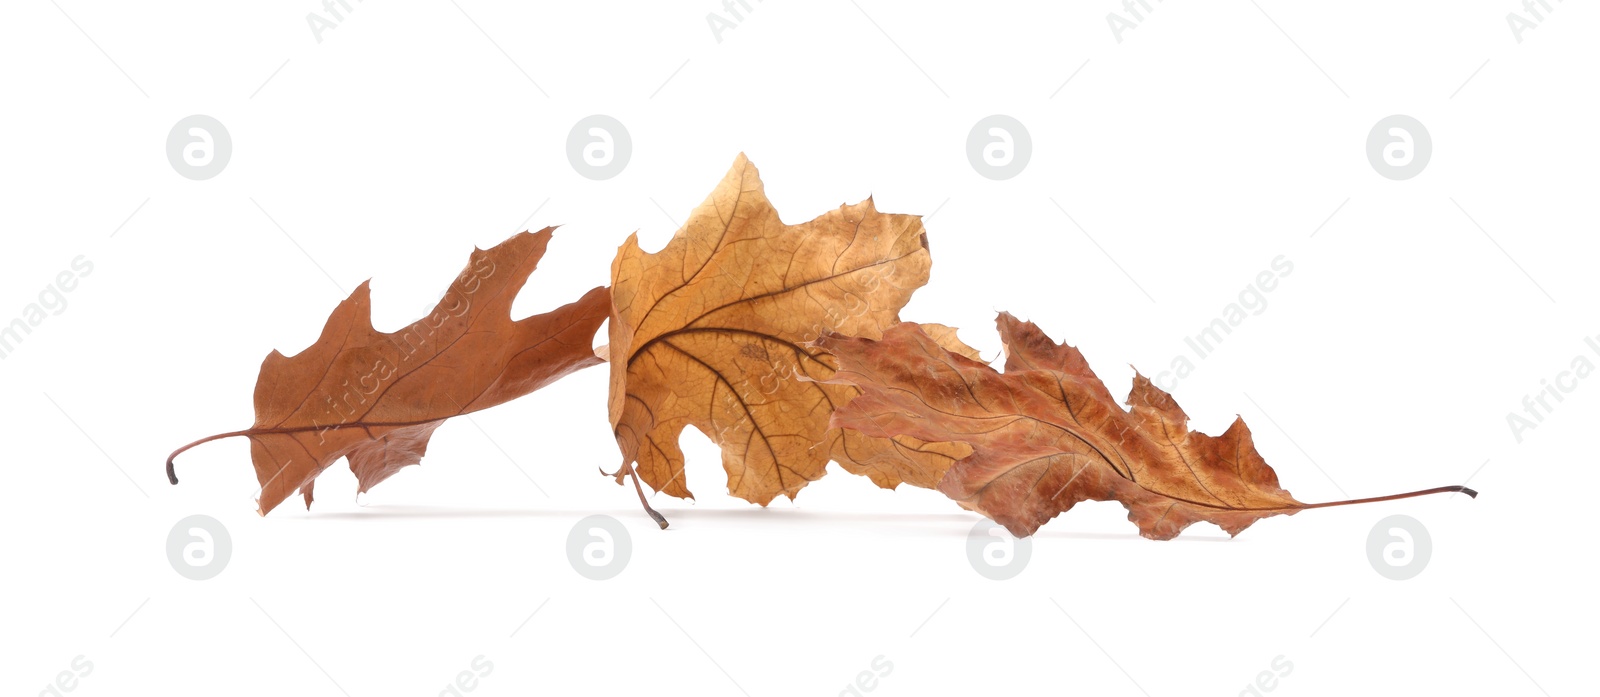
377,397
712,332
889,462
1047,434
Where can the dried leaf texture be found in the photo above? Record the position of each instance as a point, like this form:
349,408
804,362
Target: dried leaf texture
713,330
377,397
1047,434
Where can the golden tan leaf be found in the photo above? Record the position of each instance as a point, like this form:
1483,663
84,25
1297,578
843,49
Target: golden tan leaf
713,330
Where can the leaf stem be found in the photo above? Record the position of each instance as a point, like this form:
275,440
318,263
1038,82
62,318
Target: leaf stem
368,426
627,470
1391,497
172,476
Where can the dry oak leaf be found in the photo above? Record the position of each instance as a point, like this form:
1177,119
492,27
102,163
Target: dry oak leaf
712,332
889,462
1047,434
377,397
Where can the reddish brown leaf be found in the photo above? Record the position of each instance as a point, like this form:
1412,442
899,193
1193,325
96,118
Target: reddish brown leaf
1047,434
376,397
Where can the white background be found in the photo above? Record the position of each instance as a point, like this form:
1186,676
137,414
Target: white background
1191,153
